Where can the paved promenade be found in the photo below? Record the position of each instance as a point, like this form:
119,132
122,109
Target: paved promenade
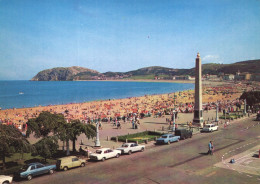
150,123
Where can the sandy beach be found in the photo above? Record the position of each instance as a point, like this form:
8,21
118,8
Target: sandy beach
149,104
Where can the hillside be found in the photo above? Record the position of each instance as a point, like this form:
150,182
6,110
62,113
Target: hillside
64,74
80,73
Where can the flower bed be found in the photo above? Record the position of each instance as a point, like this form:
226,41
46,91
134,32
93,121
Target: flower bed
140,137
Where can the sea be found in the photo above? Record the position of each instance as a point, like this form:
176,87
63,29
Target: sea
23,93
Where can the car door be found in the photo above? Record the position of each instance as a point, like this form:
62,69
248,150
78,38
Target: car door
32,171
107,154
111,153
171,138
135,147
40,169
75,162
132,147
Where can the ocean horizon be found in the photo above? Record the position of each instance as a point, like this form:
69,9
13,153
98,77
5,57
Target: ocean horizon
25,93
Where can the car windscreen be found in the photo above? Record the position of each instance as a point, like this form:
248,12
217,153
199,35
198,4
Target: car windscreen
98,151
164,136
24,168
125,145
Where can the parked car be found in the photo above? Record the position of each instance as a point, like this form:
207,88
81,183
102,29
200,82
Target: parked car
5,179
183,133
167,139
130,148
66,163
105,153
258,116
210,128
33,169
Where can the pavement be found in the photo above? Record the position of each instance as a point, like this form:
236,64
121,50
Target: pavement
246,162
149,123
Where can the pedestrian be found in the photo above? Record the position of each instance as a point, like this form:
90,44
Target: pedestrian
118,125
210,146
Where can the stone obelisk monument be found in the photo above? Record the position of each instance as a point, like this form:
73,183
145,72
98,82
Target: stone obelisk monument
198,118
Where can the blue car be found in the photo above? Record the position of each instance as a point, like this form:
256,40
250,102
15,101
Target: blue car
167,139
33,169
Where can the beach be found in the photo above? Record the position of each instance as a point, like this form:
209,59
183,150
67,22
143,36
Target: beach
151,105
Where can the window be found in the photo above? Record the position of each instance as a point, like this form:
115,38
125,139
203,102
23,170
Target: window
39,166
32,167
74,159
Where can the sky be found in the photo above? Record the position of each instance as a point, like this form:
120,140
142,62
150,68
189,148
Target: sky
124,35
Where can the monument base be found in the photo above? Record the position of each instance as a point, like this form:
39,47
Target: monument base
198,118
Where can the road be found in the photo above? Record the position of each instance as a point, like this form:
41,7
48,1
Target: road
181,162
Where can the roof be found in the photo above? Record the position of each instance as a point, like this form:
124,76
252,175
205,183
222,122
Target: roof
167,134
34,163
102,149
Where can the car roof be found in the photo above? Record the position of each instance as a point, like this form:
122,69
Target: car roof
102,149
68,157
34,163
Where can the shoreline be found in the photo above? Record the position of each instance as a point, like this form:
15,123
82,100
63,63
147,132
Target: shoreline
143,80
111,108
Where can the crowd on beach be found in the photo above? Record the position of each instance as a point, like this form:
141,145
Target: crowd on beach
134,108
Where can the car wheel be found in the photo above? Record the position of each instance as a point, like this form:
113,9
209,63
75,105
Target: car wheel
103,159
51,171
142,149
129,152
117,155
168,142
82,164
65,168
6,182
29,177
190,136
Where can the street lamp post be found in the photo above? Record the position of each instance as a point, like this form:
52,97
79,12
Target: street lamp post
217,119
173,119
245,106
97,142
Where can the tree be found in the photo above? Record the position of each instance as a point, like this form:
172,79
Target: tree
12,141
77,128
70,131
46,147
252,97
47,123
44,124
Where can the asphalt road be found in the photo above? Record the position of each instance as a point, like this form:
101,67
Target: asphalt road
181,162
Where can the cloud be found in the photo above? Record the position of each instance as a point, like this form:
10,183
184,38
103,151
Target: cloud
211,59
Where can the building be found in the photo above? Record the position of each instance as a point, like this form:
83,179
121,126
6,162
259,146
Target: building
183,77
228,77
243,76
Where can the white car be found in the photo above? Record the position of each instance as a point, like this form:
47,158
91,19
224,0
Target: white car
105,153
5,179
131,147
210,128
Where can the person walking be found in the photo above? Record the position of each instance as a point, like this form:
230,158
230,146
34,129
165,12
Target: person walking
210,146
